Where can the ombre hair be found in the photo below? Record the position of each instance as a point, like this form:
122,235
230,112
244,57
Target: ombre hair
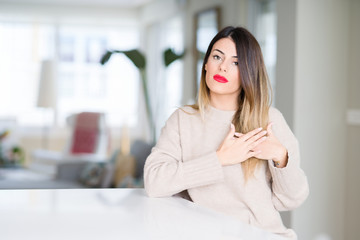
254,99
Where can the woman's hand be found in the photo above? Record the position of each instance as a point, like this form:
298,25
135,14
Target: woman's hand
234,150
272,149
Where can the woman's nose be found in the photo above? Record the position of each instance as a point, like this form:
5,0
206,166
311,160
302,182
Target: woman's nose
223,67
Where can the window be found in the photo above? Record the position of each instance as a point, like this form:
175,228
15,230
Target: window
82,83
85,85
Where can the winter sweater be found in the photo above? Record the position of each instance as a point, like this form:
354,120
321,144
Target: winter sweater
185,159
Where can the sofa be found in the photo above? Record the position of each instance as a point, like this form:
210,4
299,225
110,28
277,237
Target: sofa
117,171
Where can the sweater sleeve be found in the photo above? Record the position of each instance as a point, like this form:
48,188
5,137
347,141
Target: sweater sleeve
289,184
165,172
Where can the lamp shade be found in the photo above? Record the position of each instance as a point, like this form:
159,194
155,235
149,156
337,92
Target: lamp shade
47,85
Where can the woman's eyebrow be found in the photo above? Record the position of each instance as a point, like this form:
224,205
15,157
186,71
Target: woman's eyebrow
219,51
223,52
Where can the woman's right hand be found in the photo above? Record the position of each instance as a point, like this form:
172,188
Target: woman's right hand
237,147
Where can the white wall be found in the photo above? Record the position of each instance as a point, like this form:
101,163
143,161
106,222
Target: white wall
321,72
352,211
285,66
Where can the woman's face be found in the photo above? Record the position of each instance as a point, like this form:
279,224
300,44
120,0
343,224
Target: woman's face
222,71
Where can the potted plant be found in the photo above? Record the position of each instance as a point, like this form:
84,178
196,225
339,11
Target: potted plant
138,59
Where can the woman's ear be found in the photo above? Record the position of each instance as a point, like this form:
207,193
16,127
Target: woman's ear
205,66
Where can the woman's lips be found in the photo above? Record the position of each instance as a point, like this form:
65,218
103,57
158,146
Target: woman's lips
220,79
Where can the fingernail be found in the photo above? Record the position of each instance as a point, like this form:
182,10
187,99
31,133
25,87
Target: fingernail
259,128
232,126
237,134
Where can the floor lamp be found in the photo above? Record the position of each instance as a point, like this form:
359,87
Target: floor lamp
47,93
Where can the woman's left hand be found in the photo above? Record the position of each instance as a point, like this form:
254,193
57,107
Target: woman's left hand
272,149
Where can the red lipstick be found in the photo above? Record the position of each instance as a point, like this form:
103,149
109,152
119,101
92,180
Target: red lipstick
220,79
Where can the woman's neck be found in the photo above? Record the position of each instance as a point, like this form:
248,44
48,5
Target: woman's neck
223,102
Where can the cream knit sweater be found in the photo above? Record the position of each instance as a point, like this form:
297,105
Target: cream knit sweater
184,158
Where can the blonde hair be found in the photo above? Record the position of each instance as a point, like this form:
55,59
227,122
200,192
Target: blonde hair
254,99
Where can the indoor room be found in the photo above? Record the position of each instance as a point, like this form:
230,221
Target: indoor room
88,85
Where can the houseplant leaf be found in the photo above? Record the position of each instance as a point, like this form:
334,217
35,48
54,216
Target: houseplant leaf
105,58
136,57
170,56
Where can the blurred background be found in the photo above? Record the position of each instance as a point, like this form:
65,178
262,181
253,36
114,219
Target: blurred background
68,121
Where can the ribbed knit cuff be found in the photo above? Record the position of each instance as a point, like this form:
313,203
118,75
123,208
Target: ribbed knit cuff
202,171
287,180
280,177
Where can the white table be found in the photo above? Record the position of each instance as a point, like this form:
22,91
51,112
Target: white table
103,214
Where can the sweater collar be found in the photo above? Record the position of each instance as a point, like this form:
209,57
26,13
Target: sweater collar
219,115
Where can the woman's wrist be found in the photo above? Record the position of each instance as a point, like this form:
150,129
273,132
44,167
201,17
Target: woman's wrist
281,159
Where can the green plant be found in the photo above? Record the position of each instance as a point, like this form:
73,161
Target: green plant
170,56
17,155
138,59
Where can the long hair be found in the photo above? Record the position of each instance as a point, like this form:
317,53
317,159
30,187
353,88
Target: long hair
254,99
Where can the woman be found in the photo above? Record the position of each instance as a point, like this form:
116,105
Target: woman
231,151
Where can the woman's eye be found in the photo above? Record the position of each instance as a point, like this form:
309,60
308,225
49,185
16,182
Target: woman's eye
216,57
235,63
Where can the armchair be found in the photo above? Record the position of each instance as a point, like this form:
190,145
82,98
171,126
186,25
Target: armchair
89,141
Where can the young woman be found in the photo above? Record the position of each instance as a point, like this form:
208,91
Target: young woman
231,151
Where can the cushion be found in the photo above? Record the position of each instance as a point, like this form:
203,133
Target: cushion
100,174
108,176
86,133
85,141
125,167
92,174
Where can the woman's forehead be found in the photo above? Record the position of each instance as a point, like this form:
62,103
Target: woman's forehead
225,46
